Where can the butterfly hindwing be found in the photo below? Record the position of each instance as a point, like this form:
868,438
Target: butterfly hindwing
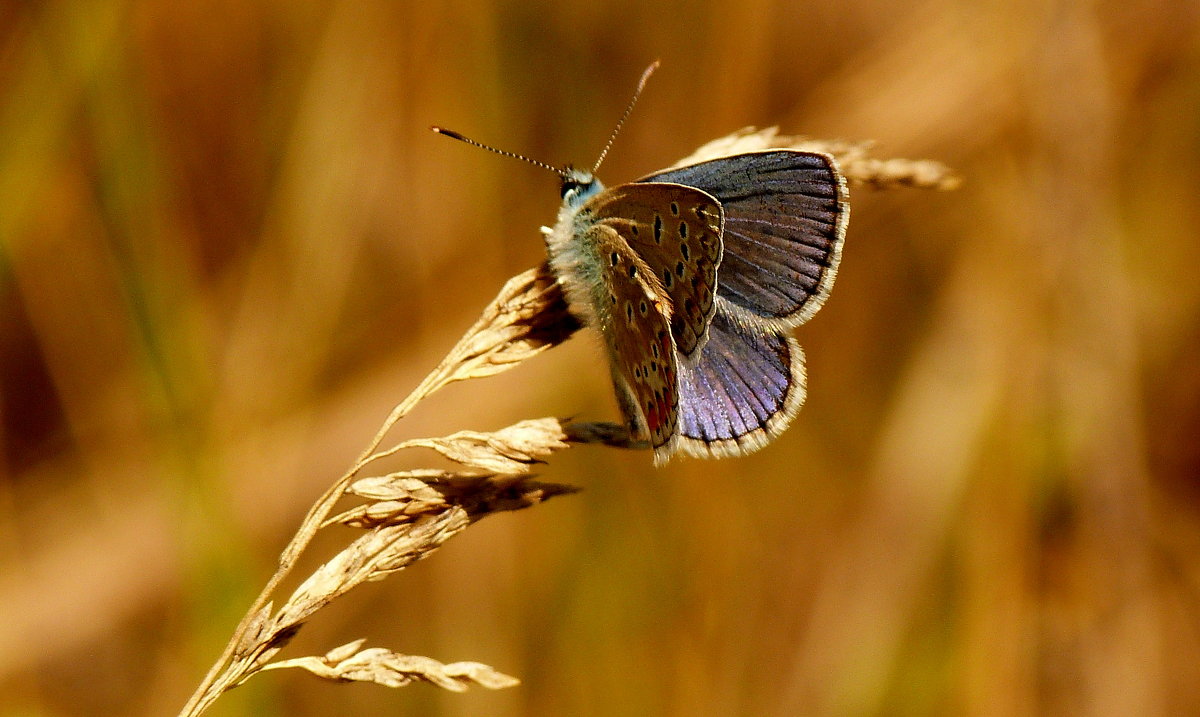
676,230
633,321
743,391
785,220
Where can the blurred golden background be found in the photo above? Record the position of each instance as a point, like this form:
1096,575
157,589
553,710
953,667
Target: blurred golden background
229,244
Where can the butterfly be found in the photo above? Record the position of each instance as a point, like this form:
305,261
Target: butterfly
693,276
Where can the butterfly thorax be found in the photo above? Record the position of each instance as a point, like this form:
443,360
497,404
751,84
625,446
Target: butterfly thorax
573,259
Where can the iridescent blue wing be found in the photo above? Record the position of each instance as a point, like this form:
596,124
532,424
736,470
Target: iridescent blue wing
743,391
785,221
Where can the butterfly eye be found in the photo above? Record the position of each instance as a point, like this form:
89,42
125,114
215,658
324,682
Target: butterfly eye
578,187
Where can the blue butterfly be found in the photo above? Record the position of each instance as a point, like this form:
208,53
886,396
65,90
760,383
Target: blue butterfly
693,276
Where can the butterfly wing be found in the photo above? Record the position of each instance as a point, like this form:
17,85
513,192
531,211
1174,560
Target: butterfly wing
676,230
743,391
785,221
632,312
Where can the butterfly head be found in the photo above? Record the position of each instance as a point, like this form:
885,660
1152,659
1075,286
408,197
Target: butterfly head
578,186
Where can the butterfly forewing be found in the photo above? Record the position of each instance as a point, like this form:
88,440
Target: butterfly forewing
742,392
676,230
635,327
785,219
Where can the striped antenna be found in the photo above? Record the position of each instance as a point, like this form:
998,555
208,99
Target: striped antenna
563,173
461,138
636,93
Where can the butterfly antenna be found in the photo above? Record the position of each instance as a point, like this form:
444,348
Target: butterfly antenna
461,138
636,93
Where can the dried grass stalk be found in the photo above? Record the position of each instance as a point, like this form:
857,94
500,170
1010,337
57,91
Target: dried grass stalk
348,663
407,515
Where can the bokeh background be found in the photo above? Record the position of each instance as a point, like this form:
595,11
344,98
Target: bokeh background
229,244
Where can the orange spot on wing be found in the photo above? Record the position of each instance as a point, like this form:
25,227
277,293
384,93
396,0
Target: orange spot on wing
653,418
